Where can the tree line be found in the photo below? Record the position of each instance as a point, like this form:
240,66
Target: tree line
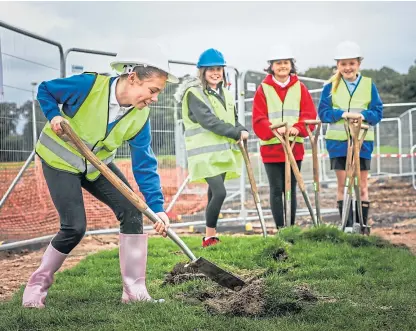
16,145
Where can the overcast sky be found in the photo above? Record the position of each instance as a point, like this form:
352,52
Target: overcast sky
243,31
386,31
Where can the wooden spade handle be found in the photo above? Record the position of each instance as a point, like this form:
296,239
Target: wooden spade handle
250,173
288,150
102,167
276,126
312,122
314,145
353,116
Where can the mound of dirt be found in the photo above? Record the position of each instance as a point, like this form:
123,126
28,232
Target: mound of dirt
253,300
182,273
250,301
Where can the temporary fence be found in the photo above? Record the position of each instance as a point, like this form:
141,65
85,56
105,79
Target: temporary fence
26,210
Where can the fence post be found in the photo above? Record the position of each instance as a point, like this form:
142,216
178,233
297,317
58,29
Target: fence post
411,127
34,129
399,123
412,151
378,148
242,120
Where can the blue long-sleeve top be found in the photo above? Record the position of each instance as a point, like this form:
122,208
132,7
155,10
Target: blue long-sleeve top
70,93
327,114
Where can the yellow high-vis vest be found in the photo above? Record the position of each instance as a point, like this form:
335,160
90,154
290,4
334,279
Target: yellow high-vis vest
279,112
355,103
210,154
90,123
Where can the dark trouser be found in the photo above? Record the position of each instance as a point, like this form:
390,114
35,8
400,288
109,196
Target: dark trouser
216,197
365,205
66,193
350,220
339,163
276,174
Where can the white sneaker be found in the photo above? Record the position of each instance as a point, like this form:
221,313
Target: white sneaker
356,228
348,229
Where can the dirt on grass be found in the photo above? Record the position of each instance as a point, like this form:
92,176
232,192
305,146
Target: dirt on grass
252,300
182,272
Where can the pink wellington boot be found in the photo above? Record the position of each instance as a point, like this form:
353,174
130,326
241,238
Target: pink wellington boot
133,259
37,287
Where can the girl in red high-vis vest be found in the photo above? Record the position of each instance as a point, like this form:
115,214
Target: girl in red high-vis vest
281,77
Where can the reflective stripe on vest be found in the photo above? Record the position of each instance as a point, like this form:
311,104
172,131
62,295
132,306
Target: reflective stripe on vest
212,148
279,112
210,154
90,123
287,113
76,161
194,132
355,103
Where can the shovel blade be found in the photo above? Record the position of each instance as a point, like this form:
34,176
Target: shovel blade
262,221
218,275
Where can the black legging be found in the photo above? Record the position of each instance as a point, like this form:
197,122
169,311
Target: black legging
216,197
276,174
66,193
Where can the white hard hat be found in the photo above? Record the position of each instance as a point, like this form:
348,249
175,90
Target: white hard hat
143,52
280,52
348,50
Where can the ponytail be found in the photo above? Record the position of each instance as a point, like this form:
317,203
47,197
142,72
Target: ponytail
335,80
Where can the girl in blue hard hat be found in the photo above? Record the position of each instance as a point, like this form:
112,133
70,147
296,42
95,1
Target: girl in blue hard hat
349,91
211,133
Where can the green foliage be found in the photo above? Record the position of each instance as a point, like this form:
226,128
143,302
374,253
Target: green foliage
321,72
392,86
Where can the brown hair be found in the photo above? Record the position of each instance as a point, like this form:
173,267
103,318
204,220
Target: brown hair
201,76
293,69
144,72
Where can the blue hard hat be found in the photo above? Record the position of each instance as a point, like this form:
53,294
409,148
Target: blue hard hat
211,58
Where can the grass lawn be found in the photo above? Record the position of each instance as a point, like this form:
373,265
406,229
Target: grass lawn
359,284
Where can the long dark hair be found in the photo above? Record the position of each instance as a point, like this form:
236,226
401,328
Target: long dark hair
293,69
201,76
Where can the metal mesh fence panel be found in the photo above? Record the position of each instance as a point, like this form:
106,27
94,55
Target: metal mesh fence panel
26,62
